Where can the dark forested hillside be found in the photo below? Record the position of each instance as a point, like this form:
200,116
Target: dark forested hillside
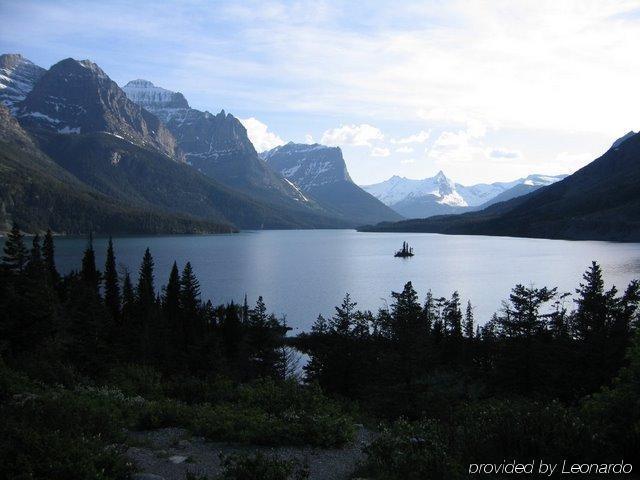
39,194
599,202
144,177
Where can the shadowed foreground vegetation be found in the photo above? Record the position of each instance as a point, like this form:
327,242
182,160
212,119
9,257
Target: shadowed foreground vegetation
88,356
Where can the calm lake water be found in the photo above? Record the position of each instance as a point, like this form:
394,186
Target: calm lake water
303,273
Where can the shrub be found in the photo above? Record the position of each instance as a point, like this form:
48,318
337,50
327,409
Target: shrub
411,451
260,467
136,380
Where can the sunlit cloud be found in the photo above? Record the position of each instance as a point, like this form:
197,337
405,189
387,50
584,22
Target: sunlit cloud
356,135
420,137
380,152
404,149
260,135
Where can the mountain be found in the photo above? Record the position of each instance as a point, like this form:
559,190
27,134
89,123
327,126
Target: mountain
601,201
321,172
38,194
83,121
440,195
522,187
75,97
17,78
218,146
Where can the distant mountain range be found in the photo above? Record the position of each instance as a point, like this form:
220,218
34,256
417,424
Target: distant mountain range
440,195
601,201
137,151
321,172
78,153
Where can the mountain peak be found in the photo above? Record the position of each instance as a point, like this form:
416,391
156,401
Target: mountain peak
157,100
18,75
139,83
76,96
79,66
308,165
624,138
11,60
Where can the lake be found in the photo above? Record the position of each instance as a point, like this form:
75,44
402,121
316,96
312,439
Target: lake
302,273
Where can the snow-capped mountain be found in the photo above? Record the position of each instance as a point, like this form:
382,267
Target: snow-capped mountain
157,100
215,144
75,97
17,78
398,189
321,172
440,195
308,166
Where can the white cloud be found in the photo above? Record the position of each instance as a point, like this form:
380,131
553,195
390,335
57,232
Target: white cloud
408,161
308,138
380,152
404,149
260,135
504,154
354,135
419,137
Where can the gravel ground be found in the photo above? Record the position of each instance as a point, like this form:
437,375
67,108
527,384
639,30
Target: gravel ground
171,452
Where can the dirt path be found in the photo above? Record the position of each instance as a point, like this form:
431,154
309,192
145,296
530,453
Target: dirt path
171,452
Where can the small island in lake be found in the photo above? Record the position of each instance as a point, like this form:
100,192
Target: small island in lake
405,251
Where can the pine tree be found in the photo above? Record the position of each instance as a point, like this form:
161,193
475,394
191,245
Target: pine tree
342,320
521,316
468,322
111,284
35,266
146,291
89,273
146,306
172,311
428,312
189,291
453,316
15,253
128,296
48,251
171,299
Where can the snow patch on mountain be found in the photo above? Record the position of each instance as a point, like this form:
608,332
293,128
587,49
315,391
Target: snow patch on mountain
446,191
159,101
17,78
308,166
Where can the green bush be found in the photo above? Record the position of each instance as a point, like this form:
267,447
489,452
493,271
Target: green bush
260,467
411,451
136,380
489,431
60,435
275,413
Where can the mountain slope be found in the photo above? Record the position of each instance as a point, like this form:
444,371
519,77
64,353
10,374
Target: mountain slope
78,97
147,178
38,194
17,78
321,172
219,147
601,201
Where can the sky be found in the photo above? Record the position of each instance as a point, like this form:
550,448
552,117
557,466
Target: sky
482,90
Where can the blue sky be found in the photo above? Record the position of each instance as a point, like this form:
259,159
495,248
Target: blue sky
483,90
